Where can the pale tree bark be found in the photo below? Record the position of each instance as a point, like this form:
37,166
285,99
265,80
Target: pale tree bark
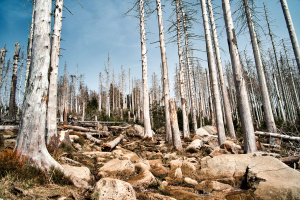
165,72
193,106
227,107
107,88
5,85
277,65
2,60
186,130
29,48
292,32
100,92
244,108
76,90
54,64
174,123
31,137
20,84
268,114
13,87
147,124
213,75
211,107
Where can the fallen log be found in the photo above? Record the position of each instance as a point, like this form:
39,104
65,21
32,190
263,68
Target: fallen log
91,138
101,133
9,127
276,135
271,146
78,128
290,160
110,145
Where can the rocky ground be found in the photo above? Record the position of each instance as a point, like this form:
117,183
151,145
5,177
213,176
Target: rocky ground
140,169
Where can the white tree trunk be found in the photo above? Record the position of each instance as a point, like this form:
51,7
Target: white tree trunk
165,72
2,60
100,93
186,130
269,118
54,64
147,124
213,75
31,137
292,32
174,123
227,107
191,85
29,48
244,108
107,88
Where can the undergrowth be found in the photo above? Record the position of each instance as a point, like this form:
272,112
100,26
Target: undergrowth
21,169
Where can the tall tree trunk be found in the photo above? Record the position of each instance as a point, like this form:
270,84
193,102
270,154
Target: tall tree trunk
268,114
29,48
20,84
213,75
2,60
165,72
227,108
54,64
13,88
175,129
244,108
186,131
31,137
193,106
100,92
107,89
292,32
147,124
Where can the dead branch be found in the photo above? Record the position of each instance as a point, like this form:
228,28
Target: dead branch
110,145
276,135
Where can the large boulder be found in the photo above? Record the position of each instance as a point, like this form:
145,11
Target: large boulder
117,169
108,188
273,179
81,176
143,180
194,146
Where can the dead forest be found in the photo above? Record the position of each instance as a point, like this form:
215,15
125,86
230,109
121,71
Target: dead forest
230,130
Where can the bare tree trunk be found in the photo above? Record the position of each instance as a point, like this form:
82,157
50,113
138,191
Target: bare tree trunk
147,124
244,108
227,108
29,48
165,72
211,107
20,84
193,106
32,131
269,118
13,87
213,75
174,123
292,32
2,60
186,130
107,88
54,64
100,92
76,91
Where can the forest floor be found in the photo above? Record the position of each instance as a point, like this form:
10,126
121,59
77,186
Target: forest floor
154,169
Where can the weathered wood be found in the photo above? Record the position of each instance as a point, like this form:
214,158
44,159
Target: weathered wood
276,135
90,137
101,133
78,128
110,145
9,127
290,160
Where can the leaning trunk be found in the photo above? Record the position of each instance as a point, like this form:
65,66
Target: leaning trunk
244,108
213,75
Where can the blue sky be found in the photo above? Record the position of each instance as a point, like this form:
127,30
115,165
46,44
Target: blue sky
101,27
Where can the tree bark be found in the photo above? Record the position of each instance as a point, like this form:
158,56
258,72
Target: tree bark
31,137
244,108
14,79
165,72
174,123
227,107
186,130
110,145
213,75
292,32
54,64
2,60
147,124
276,135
